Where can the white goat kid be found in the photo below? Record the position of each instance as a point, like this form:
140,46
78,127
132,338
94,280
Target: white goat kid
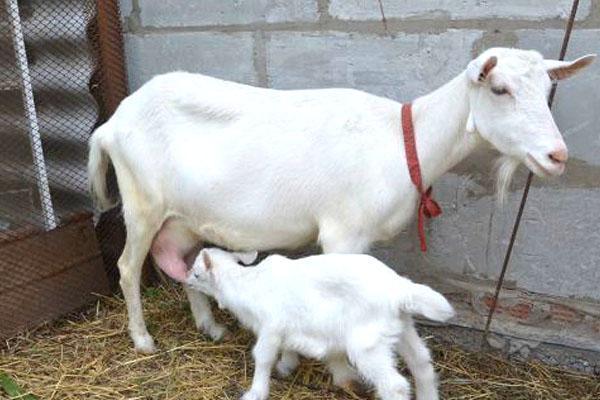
333,307
201,159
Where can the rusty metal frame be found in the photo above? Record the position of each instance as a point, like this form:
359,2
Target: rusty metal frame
111,55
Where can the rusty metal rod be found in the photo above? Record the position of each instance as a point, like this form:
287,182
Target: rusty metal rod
112,60
513,236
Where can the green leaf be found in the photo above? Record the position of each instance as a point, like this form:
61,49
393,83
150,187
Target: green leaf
152,292
13,390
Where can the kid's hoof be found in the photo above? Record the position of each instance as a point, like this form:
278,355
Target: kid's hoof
217,332
250,395
144,344
283,370
355,387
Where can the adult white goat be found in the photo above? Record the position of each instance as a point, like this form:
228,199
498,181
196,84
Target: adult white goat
201,159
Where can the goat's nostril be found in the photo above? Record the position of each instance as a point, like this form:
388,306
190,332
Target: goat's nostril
559,156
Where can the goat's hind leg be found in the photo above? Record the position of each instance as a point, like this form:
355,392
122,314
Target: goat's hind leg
140,231
377,365
265,354
344,376
418,359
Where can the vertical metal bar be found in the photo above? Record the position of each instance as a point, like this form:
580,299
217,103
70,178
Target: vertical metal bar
511,243
35,140
563,52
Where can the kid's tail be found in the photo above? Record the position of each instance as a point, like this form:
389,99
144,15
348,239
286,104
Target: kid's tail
423,300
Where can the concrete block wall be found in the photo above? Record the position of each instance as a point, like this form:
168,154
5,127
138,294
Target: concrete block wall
552,295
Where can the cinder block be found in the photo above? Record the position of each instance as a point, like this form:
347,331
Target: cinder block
556,250
222,55
402,67
181,13
453,9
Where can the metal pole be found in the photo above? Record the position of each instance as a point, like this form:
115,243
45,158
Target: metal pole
37,151
563,52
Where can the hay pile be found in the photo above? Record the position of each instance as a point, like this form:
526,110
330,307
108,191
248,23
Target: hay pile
90,356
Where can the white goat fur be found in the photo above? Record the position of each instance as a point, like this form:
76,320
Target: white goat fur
201,159
332,307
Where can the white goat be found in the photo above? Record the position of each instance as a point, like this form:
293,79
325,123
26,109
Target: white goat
201,159
333,307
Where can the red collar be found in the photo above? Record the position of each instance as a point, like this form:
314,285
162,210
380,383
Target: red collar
428,207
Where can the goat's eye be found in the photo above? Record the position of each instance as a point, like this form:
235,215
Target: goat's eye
499,91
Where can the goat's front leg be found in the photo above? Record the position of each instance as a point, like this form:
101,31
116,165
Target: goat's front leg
348,245
202,314
265,354
336,238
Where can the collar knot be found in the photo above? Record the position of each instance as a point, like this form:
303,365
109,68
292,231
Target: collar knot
428,207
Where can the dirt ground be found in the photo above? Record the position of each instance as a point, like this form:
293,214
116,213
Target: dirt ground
89,356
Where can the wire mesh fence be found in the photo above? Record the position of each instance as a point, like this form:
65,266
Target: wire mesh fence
46,112
61,74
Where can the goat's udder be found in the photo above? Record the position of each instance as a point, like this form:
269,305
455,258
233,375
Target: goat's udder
169,259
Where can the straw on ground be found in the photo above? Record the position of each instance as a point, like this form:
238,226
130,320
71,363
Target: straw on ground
89,356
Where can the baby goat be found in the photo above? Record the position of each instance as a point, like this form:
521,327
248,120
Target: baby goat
345,309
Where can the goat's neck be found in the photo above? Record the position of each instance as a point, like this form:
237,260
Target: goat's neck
233,286
440,120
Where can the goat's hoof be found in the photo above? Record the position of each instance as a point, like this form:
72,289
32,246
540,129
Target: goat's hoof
227,336
252,395
284,370
217,332
144,344
355,387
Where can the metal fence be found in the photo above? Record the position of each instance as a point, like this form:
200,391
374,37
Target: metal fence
61,74
46,112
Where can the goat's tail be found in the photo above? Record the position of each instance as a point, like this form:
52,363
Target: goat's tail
423,300
97,168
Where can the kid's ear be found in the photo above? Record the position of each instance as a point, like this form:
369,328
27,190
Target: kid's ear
207,260
247,257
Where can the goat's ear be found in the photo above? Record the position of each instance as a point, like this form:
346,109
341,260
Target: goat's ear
478,72
558,70
247,257
207,260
